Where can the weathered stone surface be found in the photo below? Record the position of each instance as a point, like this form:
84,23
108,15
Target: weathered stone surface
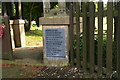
12,34
19,33
54,20
6,41
55,60
59,20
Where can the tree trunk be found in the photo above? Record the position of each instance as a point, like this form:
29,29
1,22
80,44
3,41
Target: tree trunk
30,18
37,22
17,11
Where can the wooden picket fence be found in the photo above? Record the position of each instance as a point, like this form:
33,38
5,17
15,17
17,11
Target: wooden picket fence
88,13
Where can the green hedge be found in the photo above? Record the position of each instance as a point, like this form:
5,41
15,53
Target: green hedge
96,51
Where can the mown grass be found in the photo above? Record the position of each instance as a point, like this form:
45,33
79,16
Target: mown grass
34,37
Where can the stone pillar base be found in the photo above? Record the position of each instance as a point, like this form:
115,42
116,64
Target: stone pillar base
55,62
59,58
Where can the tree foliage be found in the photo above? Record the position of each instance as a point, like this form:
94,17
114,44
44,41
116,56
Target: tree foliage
32,11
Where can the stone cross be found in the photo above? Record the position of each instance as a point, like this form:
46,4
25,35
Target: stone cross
61,4
54,12
46,6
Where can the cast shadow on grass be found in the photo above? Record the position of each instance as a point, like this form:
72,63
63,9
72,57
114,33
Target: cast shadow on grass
34,33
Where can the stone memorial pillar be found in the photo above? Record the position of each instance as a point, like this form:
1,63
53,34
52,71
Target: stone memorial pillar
46,7
55,39
19,33
12,34
6,41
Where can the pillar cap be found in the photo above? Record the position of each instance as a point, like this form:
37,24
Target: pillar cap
11,21
19,21
54,20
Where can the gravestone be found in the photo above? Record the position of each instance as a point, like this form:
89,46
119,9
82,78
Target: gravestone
19,33
55,34
55,40
7,52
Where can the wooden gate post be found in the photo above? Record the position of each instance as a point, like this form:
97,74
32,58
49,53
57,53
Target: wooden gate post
100,37
78,34
109,38
118,43
71,35
91,36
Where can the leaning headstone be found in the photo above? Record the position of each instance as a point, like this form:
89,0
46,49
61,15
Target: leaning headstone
55,38
7,52
19,33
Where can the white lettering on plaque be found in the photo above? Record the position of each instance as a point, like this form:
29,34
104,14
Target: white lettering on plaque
54,43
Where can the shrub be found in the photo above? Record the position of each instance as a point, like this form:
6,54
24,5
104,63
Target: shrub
96,51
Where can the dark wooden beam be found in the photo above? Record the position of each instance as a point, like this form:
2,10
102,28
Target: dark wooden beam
118,43
78,34
109,38
91,36
71,34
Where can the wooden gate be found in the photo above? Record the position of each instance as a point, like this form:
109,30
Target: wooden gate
92,47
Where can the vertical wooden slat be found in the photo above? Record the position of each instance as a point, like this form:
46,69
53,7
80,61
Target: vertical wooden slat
118,43
84,12
78,34
71,34
100,36
91,36
109,38
115,38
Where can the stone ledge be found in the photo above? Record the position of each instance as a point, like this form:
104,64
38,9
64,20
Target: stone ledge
54,20
55,62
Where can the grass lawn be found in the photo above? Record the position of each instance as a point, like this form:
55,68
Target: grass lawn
34,37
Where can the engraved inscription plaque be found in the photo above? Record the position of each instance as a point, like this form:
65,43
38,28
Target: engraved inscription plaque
54,42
